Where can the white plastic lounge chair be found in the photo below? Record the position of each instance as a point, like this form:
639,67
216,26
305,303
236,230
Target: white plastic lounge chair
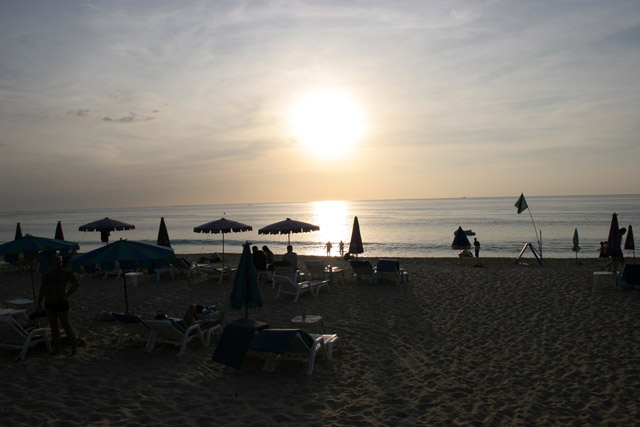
328,342
14,336
288,284
362,270
390,267
316,269
287,344
170,331
134,325
284,268
208,269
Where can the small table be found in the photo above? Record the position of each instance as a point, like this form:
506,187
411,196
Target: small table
19,315
598,274
134,275
314,320
20,303
330,271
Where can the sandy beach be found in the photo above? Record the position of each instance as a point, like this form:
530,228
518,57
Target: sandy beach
486,342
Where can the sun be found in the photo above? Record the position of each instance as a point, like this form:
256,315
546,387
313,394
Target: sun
327,122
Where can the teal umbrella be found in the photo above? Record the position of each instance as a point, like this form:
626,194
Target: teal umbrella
32,247
245,291
128,254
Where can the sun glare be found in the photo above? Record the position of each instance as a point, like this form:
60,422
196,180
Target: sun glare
327,122
334,218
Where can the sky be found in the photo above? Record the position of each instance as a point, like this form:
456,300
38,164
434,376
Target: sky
155,103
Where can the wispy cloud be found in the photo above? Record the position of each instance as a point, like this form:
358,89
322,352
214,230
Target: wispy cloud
131,118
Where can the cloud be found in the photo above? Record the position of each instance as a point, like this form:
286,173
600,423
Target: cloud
83,112
131,118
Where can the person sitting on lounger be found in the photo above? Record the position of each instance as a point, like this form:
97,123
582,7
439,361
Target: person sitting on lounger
291,257
191,316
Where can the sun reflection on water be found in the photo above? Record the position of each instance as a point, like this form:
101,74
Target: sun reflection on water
334,218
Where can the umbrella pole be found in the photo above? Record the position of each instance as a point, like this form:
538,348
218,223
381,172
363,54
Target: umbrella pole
33,285
223,250
126,299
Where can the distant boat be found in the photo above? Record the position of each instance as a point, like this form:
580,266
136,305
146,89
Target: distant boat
469,233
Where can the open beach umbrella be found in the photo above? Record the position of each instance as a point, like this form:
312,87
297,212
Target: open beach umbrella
18,232
576,243
59,233
460,240
245,291
163,235
32,247
629,244
128,254
287,227
222,226
355,244
106,226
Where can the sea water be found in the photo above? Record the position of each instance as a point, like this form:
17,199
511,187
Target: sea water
389,228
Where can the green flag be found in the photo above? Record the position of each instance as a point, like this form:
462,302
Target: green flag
521,204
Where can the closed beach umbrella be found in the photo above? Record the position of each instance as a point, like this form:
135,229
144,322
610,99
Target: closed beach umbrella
460,240
59,234
222,226
614,241
576,243
18,232
629,244
106,226
287,227
245,291
31,247
163,235
128,254
355,244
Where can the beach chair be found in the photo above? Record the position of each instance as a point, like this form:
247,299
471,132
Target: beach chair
329,341
316,269
170,331
362,270
134,325
284,268
14,336
631,274
287,344
390,267
210,270
289,284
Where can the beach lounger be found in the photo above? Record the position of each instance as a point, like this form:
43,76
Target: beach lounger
134,325
290,285
316,269
631,274
329,341
390,268
234,342
208,269
362,270
14,336
287,344
170,331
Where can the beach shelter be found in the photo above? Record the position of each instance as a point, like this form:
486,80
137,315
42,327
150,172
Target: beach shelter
614,240
629,244
576,243
32,247
105,227
460,240
163,235
59,233
245,291
287,227
355,244
222,226
18,232
128,254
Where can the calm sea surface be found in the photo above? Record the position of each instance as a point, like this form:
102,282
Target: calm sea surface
400,228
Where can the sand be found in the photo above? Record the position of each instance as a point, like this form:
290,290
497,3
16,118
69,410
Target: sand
487,342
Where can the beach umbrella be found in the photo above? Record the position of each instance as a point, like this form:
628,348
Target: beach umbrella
32,247
128,254
163,235
105,227
245,291
18,232
355,244
460,240
59,234
222,226
614,241
287,227
629,244
576,243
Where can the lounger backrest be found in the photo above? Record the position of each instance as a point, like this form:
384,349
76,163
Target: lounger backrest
11,332
360,266
166,327
388,265
283,268
315,266
631,274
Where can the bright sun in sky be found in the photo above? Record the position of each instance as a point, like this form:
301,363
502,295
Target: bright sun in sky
328,123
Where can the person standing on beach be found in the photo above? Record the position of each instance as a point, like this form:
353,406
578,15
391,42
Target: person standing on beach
55,293
328,246
476,245
341,248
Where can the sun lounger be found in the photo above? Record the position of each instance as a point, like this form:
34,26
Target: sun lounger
390,267
208,269
287,344
170,331
234,342
14,336
362,270
134,325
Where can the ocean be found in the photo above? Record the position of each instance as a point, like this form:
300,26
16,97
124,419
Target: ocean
389,228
